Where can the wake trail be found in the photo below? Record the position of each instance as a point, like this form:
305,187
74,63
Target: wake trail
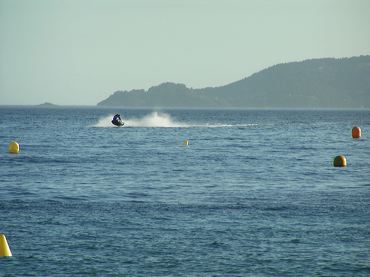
162,120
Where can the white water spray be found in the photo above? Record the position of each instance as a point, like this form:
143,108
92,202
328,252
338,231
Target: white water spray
154,119
162,120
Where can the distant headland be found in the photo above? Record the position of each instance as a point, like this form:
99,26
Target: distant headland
315,83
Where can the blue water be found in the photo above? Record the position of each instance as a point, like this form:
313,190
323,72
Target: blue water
253,194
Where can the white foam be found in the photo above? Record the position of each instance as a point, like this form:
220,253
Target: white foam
221,125
154,119
162,120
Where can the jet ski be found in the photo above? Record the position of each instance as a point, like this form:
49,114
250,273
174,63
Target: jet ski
117,121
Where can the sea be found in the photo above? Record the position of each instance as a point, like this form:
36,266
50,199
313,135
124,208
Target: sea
184,192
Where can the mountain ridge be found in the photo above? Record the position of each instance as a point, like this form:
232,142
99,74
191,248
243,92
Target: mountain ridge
313,83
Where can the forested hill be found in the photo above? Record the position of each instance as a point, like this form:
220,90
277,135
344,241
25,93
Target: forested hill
316,83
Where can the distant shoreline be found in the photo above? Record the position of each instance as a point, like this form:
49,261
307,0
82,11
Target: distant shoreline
325,83
181,108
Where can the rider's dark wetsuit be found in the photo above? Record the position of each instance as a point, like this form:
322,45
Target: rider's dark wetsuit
117,118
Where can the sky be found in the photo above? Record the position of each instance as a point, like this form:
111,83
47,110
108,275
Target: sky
78,52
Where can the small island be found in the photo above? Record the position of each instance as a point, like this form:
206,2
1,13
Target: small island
47,105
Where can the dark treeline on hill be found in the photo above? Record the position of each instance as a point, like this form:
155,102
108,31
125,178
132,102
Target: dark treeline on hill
316,83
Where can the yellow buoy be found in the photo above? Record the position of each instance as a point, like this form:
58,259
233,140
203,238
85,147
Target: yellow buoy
356,132
4,247
186,142
340,161
14,147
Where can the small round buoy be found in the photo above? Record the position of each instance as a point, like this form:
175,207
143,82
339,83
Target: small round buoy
340,161
356,132
186,142
14,147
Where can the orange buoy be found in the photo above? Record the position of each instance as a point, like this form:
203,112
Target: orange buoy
356,132
340,161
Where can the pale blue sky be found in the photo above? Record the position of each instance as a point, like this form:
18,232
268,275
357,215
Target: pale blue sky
77,52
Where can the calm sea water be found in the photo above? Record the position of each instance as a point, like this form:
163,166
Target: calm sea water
253,194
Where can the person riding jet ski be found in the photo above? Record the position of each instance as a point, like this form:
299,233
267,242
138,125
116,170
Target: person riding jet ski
117,120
